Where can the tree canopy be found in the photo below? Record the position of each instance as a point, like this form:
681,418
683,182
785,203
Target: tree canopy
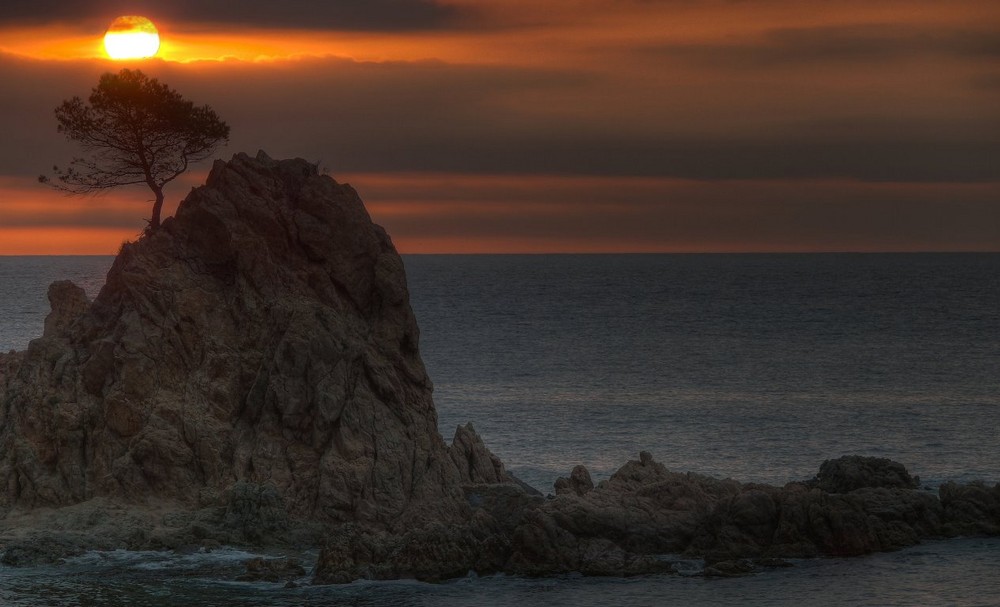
135,131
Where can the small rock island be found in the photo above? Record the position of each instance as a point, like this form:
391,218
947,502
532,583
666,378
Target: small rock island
250,375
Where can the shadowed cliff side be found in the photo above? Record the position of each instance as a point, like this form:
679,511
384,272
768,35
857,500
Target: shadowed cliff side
264,335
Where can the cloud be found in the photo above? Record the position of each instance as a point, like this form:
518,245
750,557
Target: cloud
433,116
368,15
987,82
441,212
840,44
606,125
430,116
487,213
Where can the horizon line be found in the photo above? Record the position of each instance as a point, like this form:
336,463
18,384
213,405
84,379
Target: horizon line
583,253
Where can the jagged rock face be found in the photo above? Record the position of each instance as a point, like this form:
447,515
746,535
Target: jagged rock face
625,525
579,482
263,334
475,463
852,472
68,303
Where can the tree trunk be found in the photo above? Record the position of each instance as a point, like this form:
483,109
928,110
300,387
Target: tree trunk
154,223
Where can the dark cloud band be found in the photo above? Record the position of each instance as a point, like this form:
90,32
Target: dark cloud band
839,45
372,15
436,117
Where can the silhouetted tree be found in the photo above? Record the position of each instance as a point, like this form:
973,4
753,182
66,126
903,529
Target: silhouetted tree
135,131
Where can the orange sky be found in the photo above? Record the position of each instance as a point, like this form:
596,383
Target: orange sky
594,125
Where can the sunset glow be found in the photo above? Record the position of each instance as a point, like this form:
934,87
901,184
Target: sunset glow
131,37
57,240
604,125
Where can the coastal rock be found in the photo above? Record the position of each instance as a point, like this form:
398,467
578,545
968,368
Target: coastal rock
260,569
46,535
730,568
475,463
579,482
971,509
262,335
617,528
645,509
812,522
851,472
431,553
255,512
9,362
624,525
39,551
68,303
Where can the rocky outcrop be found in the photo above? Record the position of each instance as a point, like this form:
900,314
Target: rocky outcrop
260,569
579,482
475,463
797,521
848,473
263,335
971,509
629,523
68,302
45,551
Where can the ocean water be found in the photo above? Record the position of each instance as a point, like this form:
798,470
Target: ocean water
755,367
24,283
956,573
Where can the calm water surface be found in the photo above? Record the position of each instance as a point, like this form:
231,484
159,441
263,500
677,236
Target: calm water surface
757,367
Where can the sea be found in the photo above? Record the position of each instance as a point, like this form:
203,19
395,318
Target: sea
755,367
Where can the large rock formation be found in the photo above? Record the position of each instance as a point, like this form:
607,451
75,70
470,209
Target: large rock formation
250,374
263,335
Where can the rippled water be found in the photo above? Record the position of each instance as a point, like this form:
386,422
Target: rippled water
24,283
958,573
756,367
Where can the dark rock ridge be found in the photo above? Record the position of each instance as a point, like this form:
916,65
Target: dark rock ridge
262,336
250,374
849,473
630,523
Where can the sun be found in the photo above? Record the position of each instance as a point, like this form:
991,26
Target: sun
131,37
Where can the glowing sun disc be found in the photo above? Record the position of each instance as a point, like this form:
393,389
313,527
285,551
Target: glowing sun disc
131,37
